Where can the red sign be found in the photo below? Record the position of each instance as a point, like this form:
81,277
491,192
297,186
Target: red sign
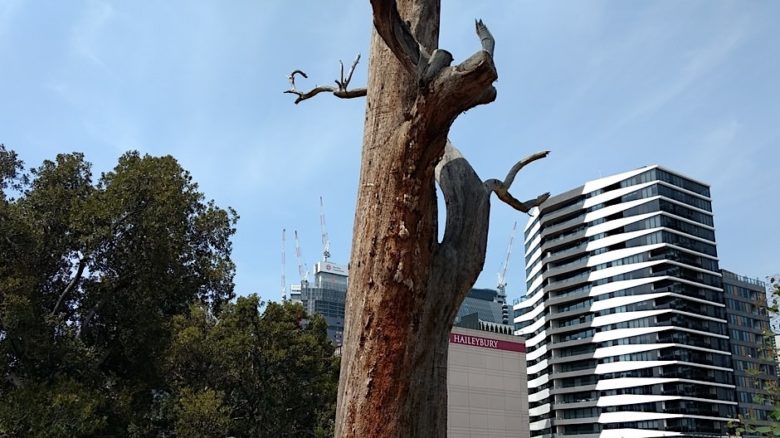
494,344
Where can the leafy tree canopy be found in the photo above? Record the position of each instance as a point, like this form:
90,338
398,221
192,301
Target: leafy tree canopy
117,314
270,375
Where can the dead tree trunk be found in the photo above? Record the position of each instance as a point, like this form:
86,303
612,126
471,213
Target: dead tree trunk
405,286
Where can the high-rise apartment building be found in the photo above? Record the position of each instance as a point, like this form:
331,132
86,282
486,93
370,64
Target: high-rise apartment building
752,345
624,316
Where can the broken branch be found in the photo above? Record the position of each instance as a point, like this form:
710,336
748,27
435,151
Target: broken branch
513,202
501,188
510,176
462,249
69,287
341,90
396,33
485,37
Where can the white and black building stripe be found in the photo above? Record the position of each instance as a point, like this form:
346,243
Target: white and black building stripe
624,317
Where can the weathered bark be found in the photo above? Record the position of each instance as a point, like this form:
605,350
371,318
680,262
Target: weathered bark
413,401
405,287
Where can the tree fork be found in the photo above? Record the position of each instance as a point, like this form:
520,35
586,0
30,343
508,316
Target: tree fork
405,286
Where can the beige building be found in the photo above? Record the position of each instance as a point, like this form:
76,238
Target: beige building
486,385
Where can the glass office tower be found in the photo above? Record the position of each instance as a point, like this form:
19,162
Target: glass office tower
488,304
325,296
624,317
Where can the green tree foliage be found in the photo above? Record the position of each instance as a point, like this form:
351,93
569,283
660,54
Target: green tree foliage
772,386
117,315
202,414
274,372
769,385
91,277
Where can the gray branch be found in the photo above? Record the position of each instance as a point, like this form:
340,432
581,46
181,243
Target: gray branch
460,256
396,33
485,37
71,285
341,89
510,176
501,188
426,66
437,62
87,321
513,202
467,199
343,83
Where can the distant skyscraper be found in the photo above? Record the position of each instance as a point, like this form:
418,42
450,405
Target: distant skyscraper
482,309
624,318
488,304
325,295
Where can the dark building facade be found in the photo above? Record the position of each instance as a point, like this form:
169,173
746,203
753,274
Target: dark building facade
326,295
751,345
624,318
487,304
482,309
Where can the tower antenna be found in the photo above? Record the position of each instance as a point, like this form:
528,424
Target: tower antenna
324,230
302,269
284,268
502,273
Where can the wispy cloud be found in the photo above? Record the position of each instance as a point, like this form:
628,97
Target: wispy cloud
607,86
85,35
700,63
715,154
8,10
115,130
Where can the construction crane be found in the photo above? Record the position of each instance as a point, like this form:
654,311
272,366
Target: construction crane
324,230
302,270
284,268
502,274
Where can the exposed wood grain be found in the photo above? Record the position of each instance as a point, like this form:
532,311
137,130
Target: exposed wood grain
405,286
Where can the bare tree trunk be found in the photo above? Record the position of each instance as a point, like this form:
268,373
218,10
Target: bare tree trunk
405,287
403,293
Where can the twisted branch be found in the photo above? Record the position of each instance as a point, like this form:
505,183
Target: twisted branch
462,250
340,90
396,34
501,188
82,264
69,287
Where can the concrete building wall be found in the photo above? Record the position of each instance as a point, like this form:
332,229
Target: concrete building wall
486,385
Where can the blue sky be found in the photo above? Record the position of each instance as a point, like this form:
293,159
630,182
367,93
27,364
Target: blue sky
607,86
